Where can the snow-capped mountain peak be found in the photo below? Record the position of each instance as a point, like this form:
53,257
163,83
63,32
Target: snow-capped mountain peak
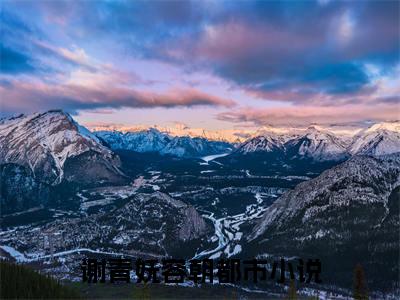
264,143
320,144
379,139
44,141
388,126
317,144
152,140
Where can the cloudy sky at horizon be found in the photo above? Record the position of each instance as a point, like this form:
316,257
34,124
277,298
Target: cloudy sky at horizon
209,64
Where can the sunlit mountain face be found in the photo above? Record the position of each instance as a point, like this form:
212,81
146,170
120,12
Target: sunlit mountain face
214,130
346,131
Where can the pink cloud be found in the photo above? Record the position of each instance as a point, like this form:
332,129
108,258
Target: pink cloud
238,40
303,94
29,96
305,115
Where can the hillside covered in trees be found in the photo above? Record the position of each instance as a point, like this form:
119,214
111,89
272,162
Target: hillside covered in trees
21,282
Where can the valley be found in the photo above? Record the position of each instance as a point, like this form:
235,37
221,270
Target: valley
115,194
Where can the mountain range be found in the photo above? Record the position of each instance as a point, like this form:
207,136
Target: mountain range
314,142
46,141
309,193
379,139
152,140
46,149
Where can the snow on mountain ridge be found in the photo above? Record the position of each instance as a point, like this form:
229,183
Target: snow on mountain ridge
342,131
321,144
265,143
390,126
313,142
44,141
152,140
379,139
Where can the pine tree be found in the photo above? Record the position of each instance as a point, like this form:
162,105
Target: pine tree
292,293
360,291
22,282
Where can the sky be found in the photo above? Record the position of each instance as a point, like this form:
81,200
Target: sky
206,64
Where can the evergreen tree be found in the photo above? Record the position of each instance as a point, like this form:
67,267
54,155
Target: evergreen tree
19,281
292,293
359,285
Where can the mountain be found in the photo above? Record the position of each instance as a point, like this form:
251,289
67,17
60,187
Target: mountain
313,143
152,140
179,129
40,151
300,153
54,147
266,143
347,215
379,139
318,145
195,147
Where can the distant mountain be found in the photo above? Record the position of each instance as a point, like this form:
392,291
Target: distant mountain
321,145
318,145
347,215
379,139
152,140
313,143
179,129
267,143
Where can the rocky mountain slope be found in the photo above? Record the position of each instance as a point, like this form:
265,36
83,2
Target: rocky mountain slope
51,144
379,139
41,151
318,145
152,140
266,143
347,215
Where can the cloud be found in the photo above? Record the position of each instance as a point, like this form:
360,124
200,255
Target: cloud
371,86
76,57
324,53
346,28
300,116
308,54
27,97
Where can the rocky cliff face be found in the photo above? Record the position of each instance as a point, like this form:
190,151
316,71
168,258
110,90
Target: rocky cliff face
193,225
40,151
45,143
347,215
